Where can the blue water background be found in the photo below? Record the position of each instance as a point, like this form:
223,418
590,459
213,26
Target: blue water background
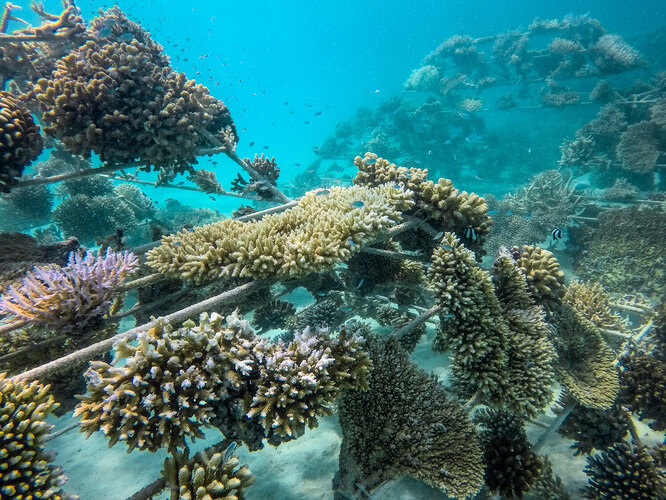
277,64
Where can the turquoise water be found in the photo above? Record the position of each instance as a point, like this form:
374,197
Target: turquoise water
298,75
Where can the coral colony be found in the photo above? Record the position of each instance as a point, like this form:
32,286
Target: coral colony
543,303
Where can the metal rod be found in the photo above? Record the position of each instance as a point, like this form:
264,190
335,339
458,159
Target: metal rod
62,431
557,423
418,321
35,181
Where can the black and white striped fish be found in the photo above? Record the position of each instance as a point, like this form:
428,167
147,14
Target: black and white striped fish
556,234
471,233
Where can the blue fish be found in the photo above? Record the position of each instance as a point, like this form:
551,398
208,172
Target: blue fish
581,186
357,204
350,242
438,235
347,308
360,283
492,212
323,192
510,212
229,452
447,246
471,233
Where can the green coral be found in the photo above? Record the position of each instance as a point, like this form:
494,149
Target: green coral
326,228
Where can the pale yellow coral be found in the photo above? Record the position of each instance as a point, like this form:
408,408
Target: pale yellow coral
326,228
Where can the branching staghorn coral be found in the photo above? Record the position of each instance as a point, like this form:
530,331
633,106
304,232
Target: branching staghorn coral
154,114
20,142
443,206
206,181
70,299
584,364
25,470
500,350
612,54
405,424
327,227
204,477
625,472
218,373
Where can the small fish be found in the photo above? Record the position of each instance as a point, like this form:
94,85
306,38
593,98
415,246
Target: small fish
351,242
176,243
581,186
357,204
265,147
317,113
510,212
556,234
492,212
347,308
323,192
251,143
464,116
446,246
471,233
360,283
447,142
229,452
438,236
321,294
212,198
447,315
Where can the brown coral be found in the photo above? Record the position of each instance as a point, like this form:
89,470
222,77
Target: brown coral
405,424
20,142
117,96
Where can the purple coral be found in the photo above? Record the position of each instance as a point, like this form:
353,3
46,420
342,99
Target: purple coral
72,298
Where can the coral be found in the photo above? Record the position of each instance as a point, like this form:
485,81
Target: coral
24,462
93,217
20,252
326,227
469,105
273,315
594,303
20,142
204,477
548,486
548,191
92,185
643,379
563,46
658,113
544,277
621,190
175,216
206,181
142,206
624,472
462,50
443,206
268,169
611,54
70,299
500,346
603,92
405,424
325,313
214,373
623,252
584,364
511,466
154,115
425,78
639,147
592,429
26,207
559,98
